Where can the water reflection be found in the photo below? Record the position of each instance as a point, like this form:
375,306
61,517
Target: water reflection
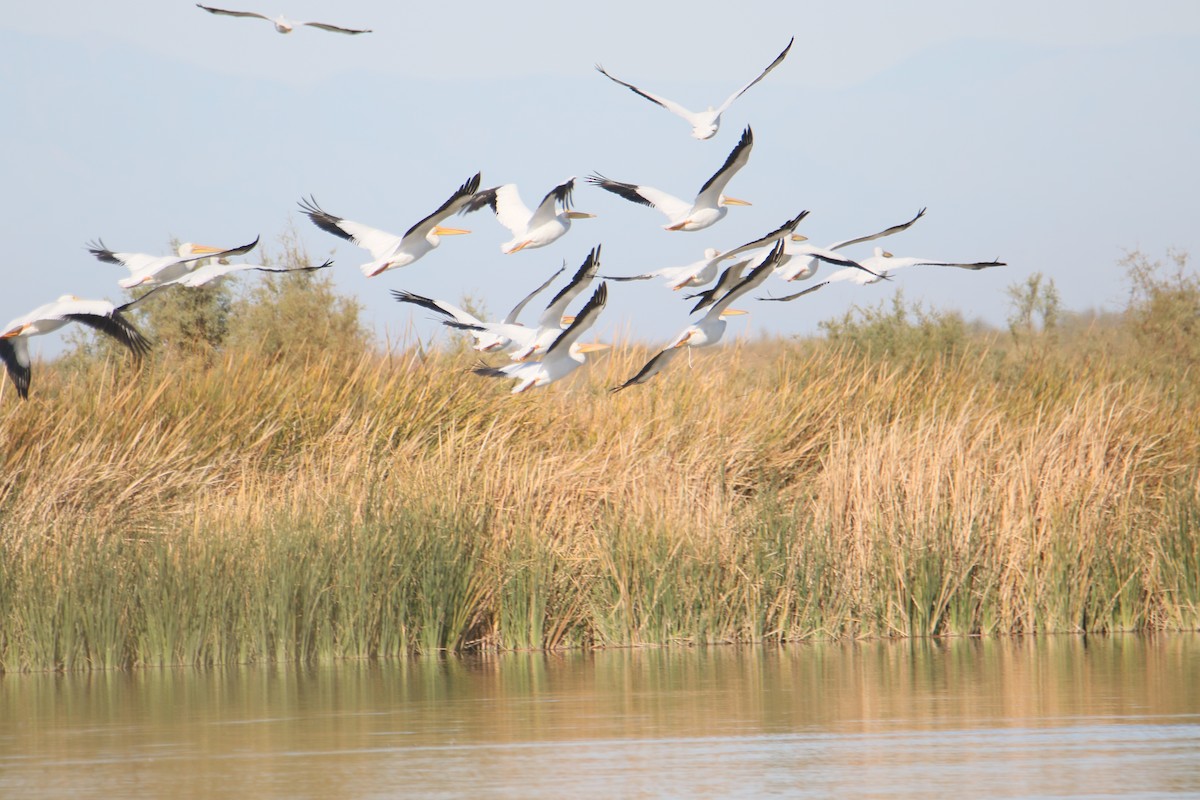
1053,716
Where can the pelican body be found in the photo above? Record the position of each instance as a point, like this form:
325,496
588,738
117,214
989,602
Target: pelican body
530,229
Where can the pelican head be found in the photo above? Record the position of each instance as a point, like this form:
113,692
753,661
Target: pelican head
799,237
732,312
731,201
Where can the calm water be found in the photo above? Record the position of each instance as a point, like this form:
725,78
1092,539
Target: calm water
1054,717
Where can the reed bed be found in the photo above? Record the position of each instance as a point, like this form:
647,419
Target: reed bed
246,508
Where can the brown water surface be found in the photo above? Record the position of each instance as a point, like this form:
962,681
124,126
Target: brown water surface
1056,716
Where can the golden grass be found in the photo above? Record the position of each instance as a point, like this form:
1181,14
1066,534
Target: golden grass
768,490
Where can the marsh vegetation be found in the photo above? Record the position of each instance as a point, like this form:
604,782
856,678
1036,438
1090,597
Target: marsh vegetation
273,485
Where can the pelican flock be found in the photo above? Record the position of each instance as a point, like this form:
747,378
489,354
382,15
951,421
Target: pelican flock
553,347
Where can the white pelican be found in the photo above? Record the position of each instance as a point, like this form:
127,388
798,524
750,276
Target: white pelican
562,358
710,204
882,265
387,249
801,257
711,327
701,273
148,270
549,325
530,229
99,314
211,272
704,123
507,334
282,24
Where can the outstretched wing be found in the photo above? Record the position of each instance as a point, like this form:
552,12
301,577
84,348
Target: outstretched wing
228,13
670,105
461,197
334,28
724,106
880,235
652,367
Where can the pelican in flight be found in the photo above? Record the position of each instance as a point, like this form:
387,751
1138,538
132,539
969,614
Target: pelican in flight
212,272
530,229
702,272
802,256
710,205
282,24
881,266
562,358
148,270
549,326
388,250
711,327
507,334
99,314
704,123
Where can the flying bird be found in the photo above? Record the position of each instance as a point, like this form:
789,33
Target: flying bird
508,334
388,250
150,270
702,272
704,123
99,314
282,24
562,358
212,272
530,229
802,257
710,205
549,326
882,264
711,327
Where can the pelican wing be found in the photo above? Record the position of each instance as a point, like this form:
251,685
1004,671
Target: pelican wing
229,13
711,191
457,201
334,28
583,320
754,279
445,309
506,204
783,230
668,204
670,105
511,317
14,353
652,367
552,317
115,324
210,272
377,241
779,58
880,235
809,290
548,209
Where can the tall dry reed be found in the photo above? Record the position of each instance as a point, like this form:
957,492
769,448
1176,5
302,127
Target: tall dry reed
254,508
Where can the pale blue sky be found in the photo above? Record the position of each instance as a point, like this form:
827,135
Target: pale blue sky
1053,136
